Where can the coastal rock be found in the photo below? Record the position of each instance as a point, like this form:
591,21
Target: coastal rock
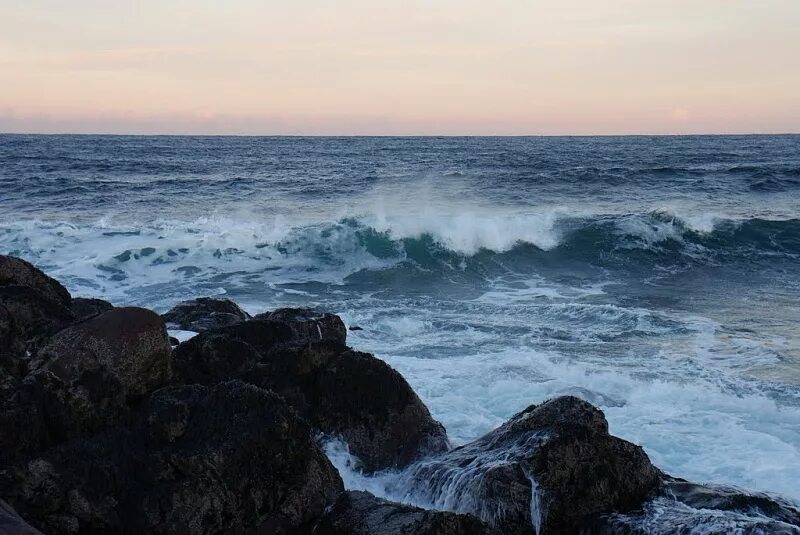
309,324
356,397
232,458
684,507
129,342
341,392
17,272
83,380
29,318
361,513
87,307
205,313
12,524
226,353
549,469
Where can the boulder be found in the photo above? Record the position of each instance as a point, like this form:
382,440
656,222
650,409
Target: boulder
232,458
226,353
309,324
550,469
88,307
130,343
28,318
204,313
17,272
356,397
12,524
341,392
83,380
361,513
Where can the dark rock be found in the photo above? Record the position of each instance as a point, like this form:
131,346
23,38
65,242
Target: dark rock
205,313
17,272
12,524
233,458
87,307
228,352
309,324
340,392
173,341
361,513
28,318
131,343
83,380
549,469
684,507
356,328
354,396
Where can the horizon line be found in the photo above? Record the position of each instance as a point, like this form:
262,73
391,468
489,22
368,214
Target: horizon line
107,134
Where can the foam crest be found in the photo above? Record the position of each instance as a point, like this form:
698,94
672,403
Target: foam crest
468,233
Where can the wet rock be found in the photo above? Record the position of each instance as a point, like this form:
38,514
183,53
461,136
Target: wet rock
549,469
354,396
87,307
340,392
684,507
205,313
309,324
129,342
356,328
361,513
12,524
232,458
17,272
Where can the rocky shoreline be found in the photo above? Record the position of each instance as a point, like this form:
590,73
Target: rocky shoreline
109,426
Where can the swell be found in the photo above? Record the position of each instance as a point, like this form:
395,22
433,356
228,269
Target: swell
435,243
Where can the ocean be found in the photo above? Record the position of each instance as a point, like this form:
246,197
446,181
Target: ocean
656,277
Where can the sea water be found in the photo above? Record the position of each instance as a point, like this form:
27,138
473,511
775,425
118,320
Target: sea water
656,277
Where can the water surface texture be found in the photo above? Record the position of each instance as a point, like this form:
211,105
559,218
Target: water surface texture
656,277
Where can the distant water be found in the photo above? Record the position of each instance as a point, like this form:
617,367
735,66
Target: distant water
656,277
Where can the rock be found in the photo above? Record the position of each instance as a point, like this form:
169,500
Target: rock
684,507
205,313
232,458
17,272
354,396
550,469
131,343
340,392
309,324
28,318
356,328
83,380
226,353
87,307
12,524
173,341
361,513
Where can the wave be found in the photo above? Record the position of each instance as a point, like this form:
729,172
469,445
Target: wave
476,244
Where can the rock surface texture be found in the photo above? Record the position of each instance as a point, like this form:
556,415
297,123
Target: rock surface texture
231,458
361,513
205,313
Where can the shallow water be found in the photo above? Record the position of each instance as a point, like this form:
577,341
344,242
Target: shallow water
656,277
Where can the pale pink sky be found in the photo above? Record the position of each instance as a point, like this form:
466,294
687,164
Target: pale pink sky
400,67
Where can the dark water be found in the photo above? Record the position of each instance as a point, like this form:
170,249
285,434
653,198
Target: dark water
657,277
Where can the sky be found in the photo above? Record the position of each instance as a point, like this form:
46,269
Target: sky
412,67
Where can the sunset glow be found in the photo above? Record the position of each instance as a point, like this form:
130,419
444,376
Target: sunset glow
391,67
